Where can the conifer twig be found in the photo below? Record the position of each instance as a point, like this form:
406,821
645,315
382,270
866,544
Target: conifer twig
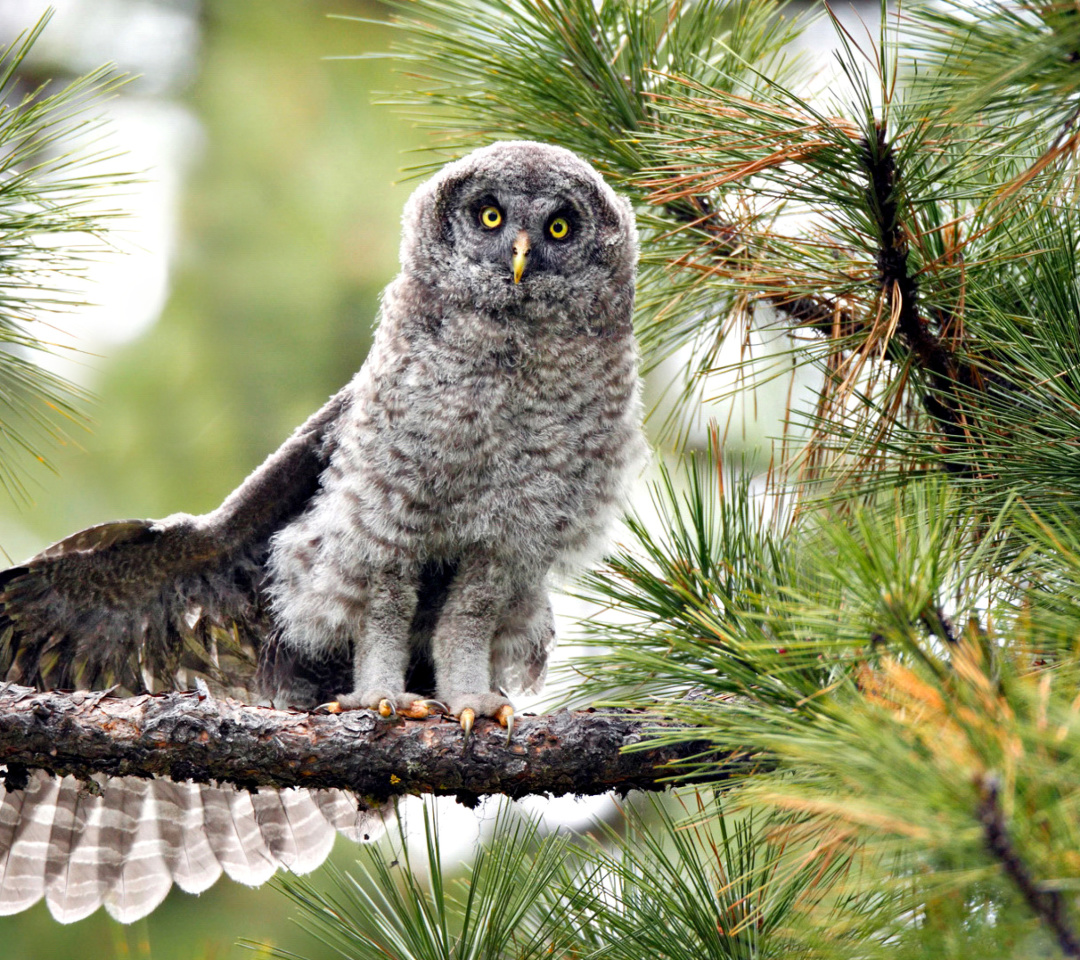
901,291
1048,905
814,312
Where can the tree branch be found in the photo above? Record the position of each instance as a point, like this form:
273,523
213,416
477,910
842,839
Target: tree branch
820,313
932,354
946,375
187,736
1048,905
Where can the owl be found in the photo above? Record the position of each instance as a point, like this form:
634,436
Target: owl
394,554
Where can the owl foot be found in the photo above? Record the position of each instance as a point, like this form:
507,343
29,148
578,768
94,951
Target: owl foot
409,705
416,710
466,707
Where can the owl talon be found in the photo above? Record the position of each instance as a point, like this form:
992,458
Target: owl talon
467,718
387,709
505,716
419,709
332,707
422,709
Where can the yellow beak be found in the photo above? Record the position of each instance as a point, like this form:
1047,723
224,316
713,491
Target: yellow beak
521,251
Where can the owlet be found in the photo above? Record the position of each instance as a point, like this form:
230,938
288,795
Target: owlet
395,552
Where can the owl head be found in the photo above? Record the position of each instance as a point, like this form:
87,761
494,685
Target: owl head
521,229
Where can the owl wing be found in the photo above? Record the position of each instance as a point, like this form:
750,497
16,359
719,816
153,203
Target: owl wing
150,604
122,842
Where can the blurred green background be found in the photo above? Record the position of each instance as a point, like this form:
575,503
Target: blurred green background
287,231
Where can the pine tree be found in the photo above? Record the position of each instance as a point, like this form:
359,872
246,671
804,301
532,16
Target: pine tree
884,631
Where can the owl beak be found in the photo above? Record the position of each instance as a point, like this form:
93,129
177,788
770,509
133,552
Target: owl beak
521,251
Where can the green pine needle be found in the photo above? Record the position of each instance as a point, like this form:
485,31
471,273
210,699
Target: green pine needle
497,906
53,226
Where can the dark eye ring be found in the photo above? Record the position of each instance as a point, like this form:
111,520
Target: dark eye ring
491,217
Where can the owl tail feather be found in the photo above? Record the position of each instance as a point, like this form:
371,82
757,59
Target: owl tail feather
124,846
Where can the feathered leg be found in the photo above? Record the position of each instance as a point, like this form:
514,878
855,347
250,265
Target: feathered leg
381,649
461,647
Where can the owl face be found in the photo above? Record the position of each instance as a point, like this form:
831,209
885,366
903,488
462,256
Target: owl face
520,228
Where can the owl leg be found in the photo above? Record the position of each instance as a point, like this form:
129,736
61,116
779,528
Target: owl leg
524,639
461,646
381,651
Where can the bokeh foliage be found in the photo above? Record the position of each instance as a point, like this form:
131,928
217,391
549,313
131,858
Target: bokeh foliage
289,229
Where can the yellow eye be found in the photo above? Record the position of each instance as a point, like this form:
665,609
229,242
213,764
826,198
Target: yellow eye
491,217
559,228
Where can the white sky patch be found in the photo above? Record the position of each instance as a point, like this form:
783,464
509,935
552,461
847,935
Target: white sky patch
155,41
149,137
126,289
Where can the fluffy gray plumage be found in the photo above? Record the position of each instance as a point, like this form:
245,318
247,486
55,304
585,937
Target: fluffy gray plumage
397,546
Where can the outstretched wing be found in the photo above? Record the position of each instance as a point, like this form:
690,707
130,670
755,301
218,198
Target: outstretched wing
149,604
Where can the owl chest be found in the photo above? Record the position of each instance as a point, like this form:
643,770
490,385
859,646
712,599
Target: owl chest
493,435
497,455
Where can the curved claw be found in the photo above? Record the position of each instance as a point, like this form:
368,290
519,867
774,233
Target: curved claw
443,708
422,709
417,710
505,716
387,709
332,707
467,718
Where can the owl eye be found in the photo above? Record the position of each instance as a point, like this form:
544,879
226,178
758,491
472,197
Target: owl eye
491,217
559,228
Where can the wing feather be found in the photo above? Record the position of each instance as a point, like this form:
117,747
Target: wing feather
69,822
193,863
78,892
126,845
148,603
144,879
341,810
296,833
259,863
223,836
22,873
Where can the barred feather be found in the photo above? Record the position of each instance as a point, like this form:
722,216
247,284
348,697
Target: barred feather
127,844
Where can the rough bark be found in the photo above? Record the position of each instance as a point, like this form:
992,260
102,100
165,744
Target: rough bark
188,736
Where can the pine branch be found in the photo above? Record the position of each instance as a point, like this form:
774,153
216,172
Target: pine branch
1048,905
187,736
813,311
901,290
53,224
